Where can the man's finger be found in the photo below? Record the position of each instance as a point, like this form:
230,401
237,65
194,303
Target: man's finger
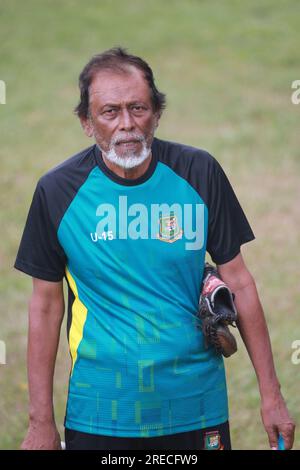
273,437
287,431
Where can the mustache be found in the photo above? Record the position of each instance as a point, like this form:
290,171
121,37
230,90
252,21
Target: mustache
124,138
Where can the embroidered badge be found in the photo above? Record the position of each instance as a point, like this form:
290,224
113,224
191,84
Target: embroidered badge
169,230
212,441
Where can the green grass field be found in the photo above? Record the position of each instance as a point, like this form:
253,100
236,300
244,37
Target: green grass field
227,69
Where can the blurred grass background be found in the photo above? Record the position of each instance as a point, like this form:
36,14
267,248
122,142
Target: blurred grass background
227,69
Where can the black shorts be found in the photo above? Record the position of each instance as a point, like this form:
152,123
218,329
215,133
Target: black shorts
212,438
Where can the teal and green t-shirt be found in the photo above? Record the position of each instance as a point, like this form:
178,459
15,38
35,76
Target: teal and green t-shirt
132,252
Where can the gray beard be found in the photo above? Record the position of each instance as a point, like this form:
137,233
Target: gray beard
129,160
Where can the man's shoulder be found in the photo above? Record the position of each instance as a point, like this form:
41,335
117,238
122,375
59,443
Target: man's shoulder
75,167
181,154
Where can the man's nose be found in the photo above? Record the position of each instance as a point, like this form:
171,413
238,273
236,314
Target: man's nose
126,122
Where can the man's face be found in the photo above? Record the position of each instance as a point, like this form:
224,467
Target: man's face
122,119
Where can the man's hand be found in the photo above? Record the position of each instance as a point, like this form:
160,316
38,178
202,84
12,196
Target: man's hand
42,436
277,420
254,332
46,311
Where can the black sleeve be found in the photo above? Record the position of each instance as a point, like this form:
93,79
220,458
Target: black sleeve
40,253
228,227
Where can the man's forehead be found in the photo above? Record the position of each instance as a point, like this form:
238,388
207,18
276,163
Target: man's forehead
115,84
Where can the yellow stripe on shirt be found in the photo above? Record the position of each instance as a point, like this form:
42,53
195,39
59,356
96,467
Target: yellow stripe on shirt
79,314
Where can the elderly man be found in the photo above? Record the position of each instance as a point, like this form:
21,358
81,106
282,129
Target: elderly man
127,223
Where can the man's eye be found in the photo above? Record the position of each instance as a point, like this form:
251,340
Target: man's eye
109,113
138,108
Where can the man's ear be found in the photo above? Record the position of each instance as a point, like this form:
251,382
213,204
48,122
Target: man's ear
87,126
156,119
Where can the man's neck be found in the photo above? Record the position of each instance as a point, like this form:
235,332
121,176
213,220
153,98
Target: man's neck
129,173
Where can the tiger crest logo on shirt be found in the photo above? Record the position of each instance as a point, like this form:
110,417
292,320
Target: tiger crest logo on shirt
169,230
212,441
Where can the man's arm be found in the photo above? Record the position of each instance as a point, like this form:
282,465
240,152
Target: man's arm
46,311
254,332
